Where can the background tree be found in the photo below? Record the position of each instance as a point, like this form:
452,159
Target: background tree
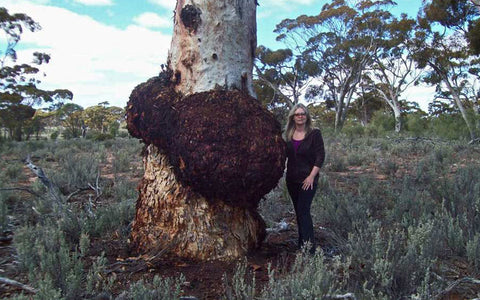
71,118
18,83
442,48
393,68
286,74
102,117
367,103
339,39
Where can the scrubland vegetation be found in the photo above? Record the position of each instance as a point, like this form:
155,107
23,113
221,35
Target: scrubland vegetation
396,216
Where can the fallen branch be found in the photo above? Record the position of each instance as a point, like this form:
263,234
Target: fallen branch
138,264
18,285
349,296
474,141
45,180
456,284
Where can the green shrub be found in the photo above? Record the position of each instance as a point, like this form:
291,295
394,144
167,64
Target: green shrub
116,217
353,130
159,289
237,288
44,254
335,163
416,124
4,222
99,136
388,167
113,128
275,205
77,171
124,189
450,126
54,135
358,159
121,162
473,252
381,123
308,278
14,171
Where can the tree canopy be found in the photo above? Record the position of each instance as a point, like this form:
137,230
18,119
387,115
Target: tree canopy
19,90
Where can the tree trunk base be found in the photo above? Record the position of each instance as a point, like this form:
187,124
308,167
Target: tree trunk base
172,217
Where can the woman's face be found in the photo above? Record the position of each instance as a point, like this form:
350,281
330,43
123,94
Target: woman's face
300,117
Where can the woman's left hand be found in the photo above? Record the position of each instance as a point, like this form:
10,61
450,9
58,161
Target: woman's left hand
308,183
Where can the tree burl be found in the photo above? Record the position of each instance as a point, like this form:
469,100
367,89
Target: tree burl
222,143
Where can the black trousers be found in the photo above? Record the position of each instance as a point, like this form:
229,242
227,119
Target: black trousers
302,202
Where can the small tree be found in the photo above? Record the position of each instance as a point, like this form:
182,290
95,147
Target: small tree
18,82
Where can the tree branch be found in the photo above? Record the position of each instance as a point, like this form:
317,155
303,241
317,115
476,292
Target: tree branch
455,284
18,285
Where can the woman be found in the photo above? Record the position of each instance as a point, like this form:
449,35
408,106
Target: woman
305,154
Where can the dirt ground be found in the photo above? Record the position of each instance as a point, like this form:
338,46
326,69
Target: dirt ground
204,279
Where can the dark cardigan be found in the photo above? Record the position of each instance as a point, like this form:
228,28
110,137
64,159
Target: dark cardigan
310,153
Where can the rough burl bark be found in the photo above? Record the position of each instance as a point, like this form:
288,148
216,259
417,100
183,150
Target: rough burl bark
213,151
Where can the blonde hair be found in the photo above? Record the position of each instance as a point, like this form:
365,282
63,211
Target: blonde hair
290,127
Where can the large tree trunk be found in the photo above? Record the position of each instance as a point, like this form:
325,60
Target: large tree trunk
212,49
213,45
171,216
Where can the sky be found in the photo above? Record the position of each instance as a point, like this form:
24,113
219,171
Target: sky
101,49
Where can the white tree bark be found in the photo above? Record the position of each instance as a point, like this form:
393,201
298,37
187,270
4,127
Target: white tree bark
213,45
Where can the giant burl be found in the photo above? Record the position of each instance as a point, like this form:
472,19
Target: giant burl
212,150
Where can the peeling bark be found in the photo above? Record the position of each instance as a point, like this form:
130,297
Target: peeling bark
171,215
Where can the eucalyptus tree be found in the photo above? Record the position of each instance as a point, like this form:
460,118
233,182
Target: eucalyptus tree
341,39
18,82
213,151
441,47
71,117
284,73
393,68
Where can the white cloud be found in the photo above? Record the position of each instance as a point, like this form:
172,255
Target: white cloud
170,4
152,20
95,2
421,94
95,61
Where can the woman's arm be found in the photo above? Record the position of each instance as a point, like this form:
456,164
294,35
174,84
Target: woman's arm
319,159
308,182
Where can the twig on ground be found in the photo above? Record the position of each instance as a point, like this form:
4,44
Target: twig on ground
18,285
456,284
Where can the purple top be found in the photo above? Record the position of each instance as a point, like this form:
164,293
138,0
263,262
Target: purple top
296,143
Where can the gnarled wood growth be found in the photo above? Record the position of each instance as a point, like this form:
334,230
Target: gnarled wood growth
213,151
